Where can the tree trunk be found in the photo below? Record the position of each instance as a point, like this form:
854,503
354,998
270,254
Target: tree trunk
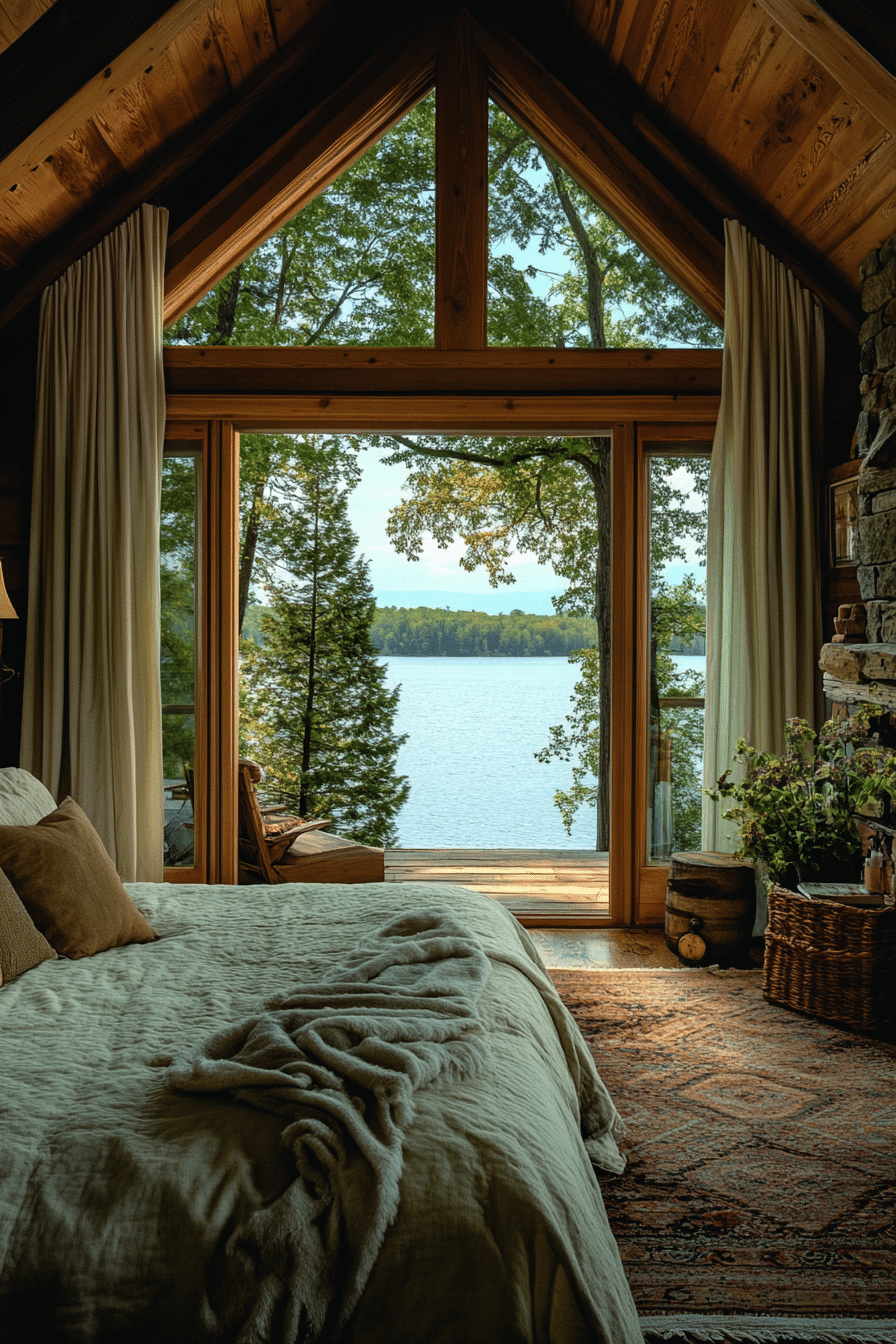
228,296
247,554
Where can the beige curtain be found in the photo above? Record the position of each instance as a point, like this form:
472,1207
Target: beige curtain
763,607
92,714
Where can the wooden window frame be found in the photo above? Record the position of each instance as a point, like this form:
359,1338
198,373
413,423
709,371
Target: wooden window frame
216,692
650,878
635,896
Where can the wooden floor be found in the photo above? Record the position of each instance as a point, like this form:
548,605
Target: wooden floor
537,885
605,949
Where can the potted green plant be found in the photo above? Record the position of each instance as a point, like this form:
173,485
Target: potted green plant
796,812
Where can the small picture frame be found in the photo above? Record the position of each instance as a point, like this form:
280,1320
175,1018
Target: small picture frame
844,515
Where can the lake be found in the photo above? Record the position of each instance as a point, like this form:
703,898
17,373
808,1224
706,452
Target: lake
473,727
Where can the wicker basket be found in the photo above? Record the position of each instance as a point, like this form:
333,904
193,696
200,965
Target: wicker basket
832,961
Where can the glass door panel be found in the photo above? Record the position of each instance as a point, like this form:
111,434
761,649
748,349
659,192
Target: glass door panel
677,481
181,495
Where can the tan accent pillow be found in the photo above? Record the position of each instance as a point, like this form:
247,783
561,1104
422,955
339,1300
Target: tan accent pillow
66,881
22,946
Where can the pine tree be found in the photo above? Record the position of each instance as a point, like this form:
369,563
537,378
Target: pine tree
316,711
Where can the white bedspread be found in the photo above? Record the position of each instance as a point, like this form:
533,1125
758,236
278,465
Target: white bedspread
119,1197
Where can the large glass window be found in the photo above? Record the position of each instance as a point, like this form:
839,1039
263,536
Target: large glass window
677,484
181,471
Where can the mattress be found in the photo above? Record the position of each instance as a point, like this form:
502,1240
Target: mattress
119,1196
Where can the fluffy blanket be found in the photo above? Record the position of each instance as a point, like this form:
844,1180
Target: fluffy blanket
340,1060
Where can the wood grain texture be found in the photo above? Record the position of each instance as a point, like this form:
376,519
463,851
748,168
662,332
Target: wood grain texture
360,369
445,413
219,667
729,199
595,156
461,191
17,16
538,886
625,580
56,239
298,166
854,68
59,75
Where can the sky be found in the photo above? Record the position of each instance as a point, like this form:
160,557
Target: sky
437,580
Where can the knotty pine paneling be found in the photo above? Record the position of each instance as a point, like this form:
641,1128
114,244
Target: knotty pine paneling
869,182
16,16
135,122
696,59
717,110
244,36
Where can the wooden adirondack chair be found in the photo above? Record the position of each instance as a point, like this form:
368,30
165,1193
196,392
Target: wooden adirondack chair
294,850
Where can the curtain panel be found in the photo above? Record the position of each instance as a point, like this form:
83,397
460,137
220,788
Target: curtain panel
763,603
92,706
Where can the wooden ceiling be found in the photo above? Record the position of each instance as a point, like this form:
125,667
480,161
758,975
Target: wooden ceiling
675,113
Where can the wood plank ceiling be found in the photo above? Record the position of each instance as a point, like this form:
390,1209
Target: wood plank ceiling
768,112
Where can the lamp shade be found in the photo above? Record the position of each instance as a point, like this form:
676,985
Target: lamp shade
7,610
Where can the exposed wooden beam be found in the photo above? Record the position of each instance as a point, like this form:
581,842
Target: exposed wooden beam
443,413
461,191
854,68
605,166
300,164
366,369
814,272
287,88
681,168
69,63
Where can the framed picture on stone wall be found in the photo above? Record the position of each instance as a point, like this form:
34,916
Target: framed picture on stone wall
844,521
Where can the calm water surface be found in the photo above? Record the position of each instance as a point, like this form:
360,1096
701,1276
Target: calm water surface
474,725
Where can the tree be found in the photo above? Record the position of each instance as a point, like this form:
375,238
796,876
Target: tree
356,266
178,595
316,709
552,497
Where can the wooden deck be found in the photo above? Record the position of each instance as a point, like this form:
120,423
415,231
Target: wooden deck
540,886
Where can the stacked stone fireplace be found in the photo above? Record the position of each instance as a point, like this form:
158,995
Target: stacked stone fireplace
859,664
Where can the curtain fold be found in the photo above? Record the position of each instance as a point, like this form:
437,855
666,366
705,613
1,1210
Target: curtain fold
92,721
763,604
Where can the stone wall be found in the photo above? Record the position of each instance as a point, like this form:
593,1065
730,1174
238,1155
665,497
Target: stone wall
860,664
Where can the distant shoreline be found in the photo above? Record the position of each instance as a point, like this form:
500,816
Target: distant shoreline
438,632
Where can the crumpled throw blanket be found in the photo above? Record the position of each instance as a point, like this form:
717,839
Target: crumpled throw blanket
340,1059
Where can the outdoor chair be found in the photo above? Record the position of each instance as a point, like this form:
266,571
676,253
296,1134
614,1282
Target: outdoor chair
292,849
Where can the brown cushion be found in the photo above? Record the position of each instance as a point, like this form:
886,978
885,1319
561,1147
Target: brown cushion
68,884
22,946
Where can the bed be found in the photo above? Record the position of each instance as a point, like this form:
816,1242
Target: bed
123,1193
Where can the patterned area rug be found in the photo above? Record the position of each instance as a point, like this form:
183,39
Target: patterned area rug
761,1146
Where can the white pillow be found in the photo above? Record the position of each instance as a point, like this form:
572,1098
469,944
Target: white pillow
24,801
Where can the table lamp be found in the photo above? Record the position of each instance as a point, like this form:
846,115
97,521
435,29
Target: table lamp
7,613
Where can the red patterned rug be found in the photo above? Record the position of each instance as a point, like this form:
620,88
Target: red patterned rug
761,1177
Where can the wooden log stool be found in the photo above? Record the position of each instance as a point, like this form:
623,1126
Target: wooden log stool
710,908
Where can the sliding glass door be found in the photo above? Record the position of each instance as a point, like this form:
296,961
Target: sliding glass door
674,472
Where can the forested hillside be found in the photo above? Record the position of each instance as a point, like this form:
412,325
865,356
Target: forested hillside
435,632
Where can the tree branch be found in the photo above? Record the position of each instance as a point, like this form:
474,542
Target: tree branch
593,272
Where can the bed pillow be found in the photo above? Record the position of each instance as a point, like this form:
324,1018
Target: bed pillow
66,881
23,798
22,946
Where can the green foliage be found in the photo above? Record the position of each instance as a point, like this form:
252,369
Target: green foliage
430,632
356,267
178,612
678,618
315,708
799,808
